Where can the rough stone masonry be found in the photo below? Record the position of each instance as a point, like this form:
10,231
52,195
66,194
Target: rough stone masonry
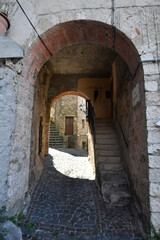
138,20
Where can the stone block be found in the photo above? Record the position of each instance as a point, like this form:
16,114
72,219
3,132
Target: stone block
153,112
12,231
151,123
152,98
155,204
150,68
154,161
155,216
154,136
47,6
131,3
155,189
151,86
154,175
151,77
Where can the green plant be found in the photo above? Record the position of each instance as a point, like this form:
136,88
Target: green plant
72,234
55,233
13,219
96,230
33,235
30,225
21,216
3,234
2,217
155,234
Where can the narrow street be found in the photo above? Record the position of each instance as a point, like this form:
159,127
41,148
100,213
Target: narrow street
66,203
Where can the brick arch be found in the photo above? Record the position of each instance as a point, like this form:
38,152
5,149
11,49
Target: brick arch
68,93
75,32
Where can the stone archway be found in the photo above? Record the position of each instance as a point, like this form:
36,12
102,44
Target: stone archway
69,93
127,60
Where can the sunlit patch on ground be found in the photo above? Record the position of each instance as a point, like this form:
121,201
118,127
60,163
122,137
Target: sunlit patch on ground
73,163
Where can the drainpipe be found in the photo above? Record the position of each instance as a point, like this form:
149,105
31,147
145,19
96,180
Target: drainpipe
114,13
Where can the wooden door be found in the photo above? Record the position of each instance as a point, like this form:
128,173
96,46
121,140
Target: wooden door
69,125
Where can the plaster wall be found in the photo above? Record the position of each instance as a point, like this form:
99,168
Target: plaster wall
8,104
102,105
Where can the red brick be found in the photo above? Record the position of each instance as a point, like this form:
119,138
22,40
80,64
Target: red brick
126,49
71,32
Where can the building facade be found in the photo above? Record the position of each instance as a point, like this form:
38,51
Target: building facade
69,116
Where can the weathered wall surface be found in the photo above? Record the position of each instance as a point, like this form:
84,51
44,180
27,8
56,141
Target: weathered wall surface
152,96
139,20
8,103
39,114
129,115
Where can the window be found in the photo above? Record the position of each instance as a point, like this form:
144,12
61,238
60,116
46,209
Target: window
69,125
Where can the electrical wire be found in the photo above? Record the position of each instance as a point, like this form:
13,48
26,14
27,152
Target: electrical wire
34,28
114,9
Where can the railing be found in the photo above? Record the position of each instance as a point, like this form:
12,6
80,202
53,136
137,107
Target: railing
90,115
121,129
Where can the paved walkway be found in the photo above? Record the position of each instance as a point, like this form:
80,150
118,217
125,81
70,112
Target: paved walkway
66,203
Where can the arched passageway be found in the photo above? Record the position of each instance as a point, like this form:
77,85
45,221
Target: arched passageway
100,62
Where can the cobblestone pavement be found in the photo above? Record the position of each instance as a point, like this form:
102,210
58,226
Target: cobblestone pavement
67,207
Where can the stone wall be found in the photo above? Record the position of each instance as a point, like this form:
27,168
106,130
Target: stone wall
8,104
39,115
138,20
68,106
152,96
129,115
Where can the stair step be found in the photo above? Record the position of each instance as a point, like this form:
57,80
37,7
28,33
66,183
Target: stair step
103,131
58,146
106,153
111,166
106,147
106,141
55,140
113,176
56,137
114,185
103,125
104,136
109,159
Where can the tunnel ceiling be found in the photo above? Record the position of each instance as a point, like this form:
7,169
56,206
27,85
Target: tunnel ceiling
82,59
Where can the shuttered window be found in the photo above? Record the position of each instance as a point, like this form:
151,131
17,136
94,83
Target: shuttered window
69,125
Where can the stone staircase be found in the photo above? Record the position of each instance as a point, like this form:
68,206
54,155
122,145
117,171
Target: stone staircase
55,140
113,182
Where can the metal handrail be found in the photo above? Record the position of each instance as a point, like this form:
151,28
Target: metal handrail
124,137
90,115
